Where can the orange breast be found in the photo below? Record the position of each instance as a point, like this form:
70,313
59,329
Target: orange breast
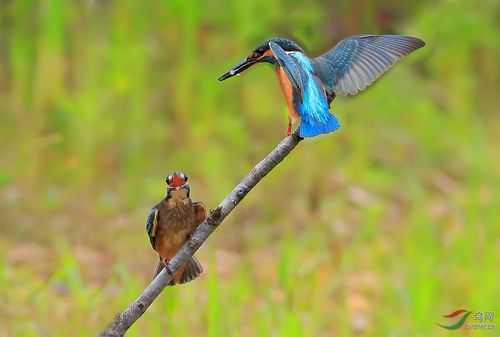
286,88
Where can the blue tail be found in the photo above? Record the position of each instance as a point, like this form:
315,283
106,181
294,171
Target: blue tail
312,128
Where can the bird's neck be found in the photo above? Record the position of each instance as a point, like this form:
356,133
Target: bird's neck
177,202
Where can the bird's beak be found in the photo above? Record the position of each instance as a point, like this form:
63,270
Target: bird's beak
239,68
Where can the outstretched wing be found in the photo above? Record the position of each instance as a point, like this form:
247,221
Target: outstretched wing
356,62
152,225
292,70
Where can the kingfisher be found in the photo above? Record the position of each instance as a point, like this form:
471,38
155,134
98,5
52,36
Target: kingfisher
309,85
170,224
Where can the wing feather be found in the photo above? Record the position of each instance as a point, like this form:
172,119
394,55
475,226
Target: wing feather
356,62
292,70
200,212
152,225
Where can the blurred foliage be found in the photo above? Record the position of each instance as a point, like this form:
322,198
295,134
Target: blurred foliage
376,230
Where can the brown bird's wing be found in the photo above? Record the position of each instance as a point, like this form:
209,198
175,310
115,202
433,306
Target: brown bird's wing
200,212
152,225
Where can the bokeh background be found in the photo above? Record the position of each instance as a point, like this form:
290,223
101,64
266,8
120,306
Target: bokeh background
376,230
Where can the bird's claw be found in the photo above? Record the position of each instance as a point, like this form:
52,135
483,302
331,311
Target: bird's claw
289,129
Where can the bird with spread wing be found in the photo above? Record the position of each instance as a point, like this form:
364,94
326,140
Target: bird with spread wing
309,85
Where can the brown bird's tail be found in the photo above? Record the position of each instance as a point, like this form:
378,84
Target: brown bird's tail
191,270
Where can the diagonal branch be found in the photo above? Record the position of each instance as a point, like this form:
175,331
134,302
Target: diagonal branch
124,320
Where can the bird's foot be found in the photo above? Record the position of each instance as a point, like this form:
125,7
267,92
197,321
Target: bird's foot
289,129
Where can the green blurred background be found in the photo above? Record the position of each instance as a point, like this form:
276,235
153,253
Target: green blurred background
376,230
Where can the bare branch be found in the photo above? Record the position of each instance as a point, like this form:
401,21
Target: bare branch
124,320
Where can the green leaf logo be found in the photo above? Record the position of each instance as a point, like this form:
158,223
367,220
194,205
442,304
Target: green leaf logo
463,314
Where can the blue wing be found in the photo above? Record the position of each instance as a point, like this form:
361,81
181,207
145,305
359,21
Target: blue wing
152,225
293,71
356,62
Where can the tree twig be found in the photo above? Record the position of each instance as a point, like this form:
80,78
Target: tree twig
123,321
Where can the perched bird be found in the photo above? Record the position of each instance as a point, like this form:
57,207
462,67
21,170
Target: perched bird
171,222
310,84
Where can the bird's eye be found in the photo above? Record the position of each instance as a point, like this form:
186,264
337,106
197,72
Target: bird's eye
185,178
254,55
168,180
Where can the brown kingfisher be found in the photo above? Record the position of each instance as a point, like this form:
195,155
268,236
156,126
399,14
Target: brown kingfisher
171,222
309,85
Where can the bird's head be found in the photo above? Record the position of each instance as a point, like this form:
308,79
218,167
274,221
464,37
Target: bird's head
177,186
261,54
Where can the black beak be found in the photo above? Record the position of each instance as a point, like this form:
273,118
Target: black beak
239,68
